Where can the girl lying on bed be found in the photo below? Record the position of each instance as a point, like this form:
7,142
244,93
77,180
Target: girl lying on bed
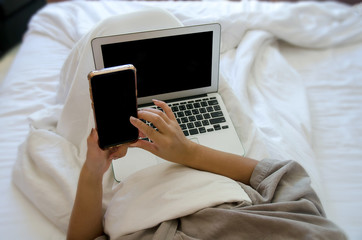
199,194
284,206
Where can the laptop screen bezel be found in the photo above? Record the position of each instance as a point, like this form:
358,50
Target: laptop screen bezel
97,43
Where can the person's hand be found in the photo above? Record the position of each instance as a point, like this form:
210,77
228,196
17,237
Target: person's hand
168,142
98,160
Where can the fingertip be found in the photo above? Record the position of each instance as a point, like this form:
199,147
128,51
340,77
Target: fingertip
95,133
158,102
133,121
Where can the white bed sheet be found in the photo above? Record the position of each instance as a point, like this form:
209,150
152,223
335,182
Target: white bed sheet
334,90
335,99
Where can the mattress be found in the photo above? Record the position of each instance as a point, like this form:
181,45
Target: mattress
318,125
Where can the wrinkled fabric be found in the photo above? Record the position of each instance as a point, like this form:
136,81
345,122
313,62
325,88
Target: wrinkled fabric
284,207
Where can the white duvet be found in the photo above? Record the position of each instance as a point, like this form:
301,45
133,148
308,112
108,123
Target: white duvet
55,149
271,94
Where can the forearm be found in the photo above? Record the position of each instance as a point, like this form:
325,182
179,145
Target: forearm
86,218
170,143
230,165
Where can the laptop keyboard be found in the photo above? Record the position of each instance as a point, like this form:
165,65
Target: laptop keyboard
198,116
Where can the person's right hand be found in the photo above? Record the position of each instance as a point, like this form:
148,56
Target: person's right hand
168,142
98,160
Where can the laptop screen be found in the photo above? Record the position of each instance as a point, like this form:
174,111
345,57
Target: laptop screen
165,64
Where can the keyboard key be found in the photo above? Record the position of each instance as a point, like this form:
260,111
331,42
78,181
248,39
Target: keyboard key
190,125
188,113
186,133
213,102
184,120
207,116
225,127
193,131
182,107
199,117
217,120
217,114
180,114
202,110
202,130
210,109
189,106
205,122
217,127
198,124
183,126
204,104
197,105
217,108
195,111
192,118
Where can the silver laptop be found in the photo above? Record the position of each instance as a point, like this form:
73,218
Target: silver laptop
179,66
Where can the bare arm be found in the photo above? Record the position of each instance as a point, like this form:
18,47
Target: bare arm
170,143
86,219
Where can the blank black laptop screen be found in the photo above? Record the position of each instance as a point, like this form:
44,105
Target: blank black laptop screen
165,64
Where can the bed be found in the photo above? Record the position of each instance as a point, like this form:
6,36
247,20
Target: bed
290,76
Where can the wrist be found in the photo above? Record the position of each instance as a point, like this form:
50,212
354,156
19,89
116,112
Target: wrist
192,153
90,174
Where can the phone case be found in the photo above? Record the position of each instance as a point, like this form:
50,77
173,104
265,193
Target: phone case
107,71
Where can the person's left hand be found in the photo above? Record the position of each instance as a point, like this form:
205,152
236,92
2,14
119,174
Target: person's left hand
98,160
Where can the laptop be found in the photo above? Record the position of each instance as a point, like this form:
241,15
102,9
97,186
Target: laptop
181,67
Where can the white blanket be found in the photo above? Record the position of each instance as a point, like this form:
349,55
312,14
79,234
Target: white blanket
267,100
164,192
56,147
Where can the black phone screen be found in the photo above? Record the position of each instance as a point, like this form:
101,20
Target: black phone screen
115,100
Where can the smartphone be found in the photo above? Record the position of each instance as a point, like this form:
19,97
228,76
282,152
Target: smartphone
113,93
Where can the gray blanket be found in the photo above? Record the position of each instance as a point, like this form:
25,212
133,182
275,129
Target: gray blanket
284,207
